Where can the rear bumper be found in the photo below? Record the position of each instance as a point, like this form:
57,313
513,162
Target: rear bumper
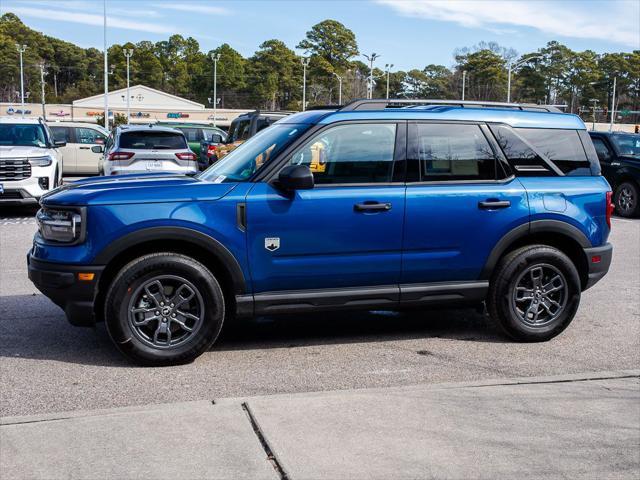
599,261
60,283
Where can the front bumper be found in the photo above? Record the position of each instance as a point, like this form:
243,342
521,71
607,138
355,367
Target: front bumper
15,197
61,284
599,261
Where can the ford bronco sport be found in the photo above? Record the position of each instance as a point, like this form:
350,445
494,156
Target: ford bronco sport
377,205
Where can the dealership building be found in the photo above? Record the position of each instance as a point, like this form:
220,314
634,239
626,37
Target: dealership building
146,105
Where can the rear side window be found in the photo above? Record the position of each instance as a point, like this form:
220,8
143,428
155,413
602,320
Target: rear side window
451,152
521,156
192,134
152,140
562,147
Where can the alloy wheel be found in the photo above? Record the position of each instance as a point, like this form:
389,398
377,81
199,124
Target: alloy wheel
540,295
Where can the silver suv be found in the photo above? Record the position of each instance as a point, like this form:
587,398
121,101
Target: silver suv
146,149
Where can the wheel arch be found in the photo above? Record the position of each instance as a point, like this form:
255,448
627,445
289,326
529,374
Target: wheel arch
203,248
563,236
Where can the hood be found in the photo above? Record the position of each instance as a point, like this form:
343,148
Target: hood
12,151
146,188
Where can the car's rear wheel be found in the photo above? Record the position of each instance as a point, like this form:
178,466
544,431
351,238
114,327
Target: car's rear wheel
534,293
626,200
164,309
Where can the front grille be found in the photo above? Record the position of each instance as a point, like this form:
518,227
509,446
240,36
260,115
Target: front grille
14,169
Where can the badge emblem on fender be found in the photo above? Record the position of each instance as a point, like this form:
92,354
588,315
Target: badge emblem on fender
272,243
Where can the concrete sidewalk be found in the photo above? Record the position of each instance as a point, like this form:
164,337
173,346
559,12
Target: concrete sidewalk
577,426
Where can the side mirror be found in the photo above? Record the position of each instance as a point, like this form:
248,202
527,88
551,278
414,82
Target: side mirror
296,177
59,143
97,149
215,138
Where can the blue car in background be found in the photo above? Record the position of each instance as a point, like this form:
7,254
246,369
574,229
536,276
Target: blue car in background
381,204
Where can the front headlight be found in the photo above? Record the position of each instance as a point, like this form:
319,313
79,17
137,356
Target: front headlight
63,226
41,161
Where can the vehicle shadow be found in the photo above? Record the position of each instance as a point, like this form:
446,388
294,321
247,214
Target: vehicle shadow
23,211
40,331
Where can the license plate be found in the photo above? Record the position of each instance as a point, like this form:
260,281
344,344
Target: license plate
154,165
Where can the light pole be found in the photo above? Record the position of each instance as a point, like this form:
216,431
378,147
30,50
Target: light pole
305,64
511,67
388,68
44,112
464,82
371,59
21,50
339,88
106,65
595,102
613,104
128,52
215,57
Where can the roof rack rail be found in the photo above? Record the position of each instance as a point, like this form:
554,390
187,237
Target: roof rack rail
380,104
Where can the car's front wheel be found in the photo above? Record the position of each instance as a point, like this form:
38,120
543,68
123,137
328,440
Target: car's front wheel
534,293
164,309
626,200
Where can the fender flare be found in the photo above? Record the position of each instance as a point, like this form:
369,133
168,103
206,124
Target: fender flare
521,231
192,236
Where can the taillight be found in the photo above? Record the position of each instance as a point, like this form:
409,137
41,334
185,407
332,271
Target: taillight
186,156
610,207
120,155
211,150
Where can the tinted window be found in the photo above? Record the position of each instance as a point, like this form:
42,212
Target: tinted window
358,153
89,135
601,149
61,134
520,155
192,134
453,152
627,144
243,131
562,147
152,140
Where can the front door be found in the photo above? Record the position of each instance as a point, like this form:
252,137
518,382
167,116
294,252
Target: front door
460,206
69,153
347,230
86,160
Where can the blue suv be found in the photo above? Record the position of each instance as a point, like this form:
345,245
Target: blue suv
376,205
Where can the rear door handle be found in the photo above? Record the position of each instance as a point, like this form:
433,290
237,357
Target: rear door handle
494,204
372,207
84,148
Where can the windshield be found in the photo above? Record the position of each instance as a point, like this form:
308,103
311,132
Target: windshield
627,144
152,140
249,157
23,135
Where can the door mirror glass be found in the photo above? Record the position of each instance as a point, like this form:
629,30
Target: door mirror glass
296,177
215,138
97,149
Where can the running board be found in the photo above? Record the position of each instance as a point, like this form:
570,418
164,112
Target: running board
360,298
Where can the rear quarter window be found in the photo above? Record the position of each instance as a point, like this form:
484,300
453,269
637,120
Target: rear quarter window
563,147
152,140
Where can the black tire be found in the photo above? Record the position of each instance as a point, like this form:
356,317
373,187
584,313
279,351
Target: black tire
515,273
627,200
149,343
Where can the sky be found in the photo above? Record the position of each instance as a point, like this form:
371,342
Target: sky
407,33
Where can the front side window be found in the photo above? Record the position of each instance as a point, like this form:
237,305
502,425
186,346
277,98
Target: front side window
243,162
89,135
191,134
627,144
357,153
453,152
150,140
61,134
22,135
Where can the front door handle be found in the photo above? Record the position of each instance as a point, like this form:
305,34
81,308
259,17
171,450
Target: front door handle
372,207
494,204
84,148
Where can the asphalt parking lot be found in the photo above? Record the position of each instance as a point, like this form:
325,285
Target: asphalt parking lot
46,365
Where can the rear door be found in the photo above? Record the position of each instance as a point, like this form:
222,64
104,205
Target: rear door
347,230
69,151
86,160
461,200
